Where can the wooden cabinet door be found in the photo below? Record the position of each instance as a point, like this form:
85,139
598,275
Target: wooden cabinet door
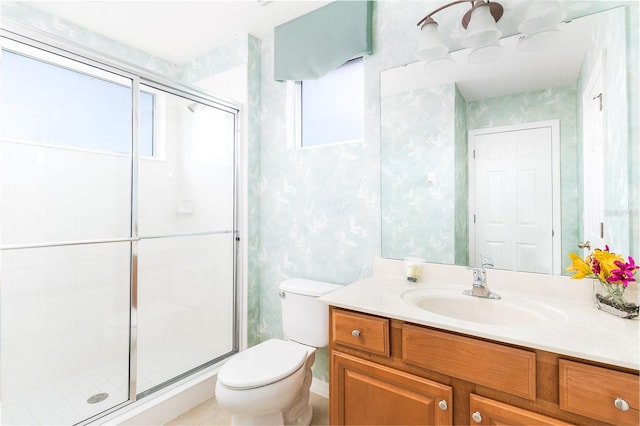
365,393
484,411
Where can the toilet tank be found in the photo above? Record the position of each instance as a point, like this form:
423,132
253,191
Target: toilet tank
304,319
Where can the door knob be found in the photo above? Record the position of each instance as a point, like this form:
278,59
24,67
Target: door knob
355,333
476,417
586,244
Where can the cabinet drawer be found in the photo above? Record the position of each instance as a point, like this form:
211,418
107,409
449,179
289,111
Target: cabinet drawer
592,391
484,411
360,331
488,364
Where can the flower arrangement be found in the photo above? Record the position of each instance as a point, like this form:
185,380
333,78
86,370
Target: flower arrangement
613,274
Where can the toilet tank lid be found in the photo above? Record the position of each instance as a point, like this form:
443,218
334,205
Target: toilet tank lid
308,287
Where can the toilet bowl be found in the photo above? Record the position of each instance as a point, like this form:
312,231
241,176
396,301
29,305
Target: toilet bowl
269,384
259,383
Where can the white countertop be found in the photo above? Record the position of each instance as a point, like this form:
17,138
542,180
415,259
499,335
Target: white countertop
584,332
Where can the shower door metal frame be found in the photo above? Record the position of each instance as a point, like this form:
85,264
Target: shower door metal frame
140,76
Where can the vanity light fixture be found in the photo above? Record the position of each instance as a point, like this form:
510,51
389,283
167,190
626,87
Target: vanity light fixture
479,23
538,29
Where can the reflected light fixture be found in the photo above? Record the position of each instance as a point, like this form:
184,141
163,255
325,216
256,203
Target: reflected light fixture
485,54
482,33
539,27
541,16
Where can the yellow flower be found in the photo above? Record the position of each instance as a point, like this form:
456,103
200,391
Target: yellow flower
580,267
603,263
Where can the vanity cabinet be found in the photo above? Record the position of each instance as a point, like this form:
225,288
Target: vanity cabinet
387,371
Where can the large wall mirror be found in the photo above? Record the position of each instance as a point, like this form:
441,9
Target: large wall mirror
518,159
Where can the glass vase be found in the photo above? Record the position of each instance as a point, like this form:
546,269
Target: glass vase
611,299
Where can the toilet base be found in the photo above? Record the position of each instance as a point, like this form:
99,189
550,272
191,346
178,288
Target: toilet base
302,419
267,420
300,412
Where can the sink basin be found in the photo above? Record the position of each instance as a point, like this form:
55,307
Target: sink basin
508,311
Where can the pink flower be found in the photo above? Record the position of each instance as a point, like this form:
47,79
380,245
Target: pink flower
623,275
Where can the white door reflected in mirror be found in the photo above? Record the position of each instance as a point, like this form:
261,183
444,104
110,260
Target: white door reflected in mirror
511,195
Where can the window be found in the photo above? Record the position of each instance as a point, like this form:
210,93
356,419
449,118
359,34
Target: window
62,102
331,109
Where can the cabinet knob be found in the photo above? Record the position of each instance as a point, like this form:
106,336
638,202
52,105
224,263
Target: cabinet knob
621,404
443,405
355,333
476,417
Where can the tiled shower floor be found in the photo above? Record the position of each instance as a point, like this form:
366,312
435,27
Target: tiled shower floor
65,402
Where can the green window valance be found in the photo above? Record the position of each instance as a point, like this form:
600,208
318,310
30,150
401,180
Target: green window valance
308,47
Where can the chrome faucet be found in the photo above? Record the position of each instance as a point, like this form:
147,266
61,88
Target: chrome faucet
480,288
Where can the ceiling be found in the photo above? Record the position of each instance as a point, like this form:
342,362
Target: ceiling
178,31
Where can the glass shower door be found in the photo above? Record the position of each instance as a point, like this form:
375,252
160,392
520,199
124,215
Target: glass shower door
65,221
186,252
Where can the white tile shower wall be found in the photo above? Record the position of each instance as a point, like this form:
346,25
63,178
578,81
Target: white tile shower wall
57,194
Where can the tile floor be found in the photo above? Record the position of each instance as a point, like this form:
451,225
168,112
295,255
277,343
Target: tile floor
210,413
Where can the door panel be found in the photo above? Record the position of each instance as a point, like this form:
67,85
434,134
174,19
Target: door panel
65,184
186,252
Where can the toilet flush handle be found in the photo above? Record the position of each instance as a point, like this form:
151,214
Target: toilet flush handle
282,294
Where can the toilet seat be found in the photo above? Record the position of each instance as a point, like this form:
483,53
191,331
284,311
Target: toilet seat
262,364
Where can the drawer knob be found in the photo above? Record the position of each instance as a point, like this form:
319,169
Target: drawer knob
355,333
621,404
476,417
443,405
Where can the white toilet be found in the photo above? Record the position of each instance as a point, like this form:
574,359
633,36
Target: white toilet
268,384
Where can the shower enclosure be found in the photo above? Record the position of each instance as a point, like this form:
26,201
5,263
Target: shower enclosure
118,234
